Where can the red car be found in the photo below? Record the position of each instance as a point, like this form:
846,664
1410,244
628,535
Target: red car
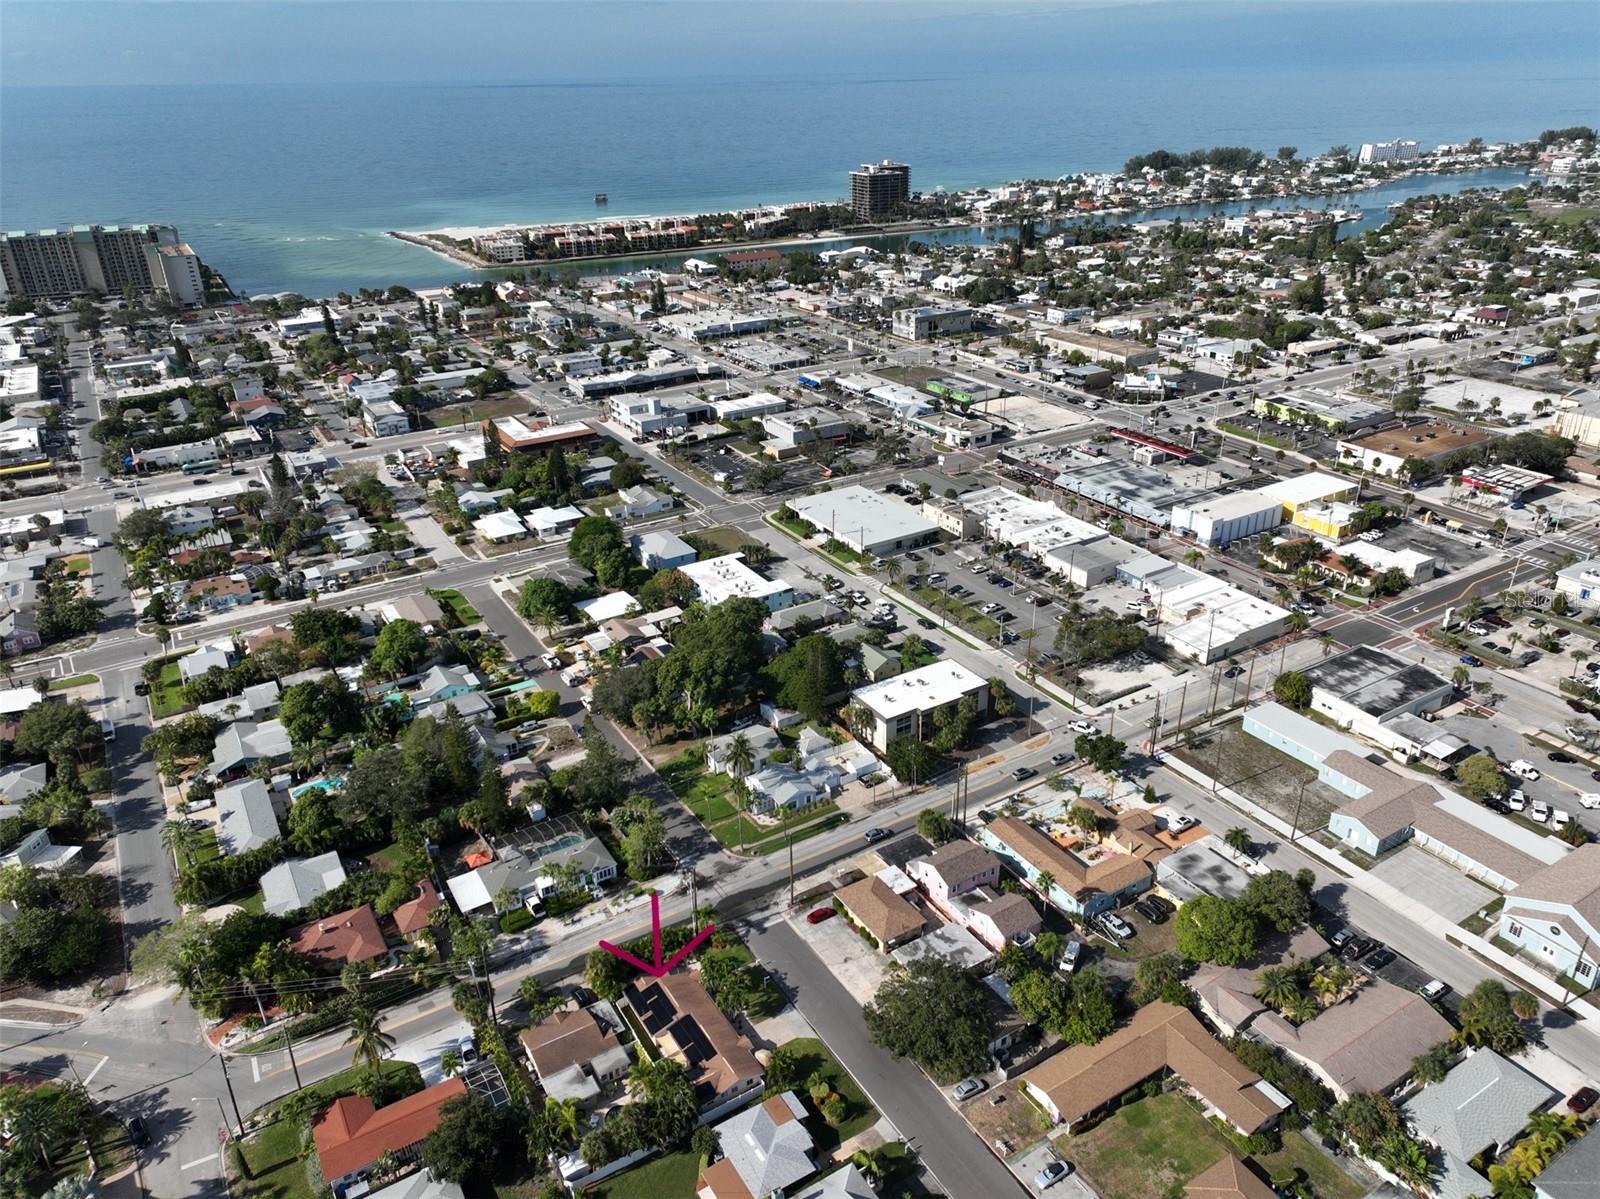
818,916
1583,1100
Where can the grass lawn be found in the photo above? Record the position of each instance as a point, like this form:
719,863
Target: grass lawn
273,1154
814,1058
166,694
799,529
78,565
767,838
963,614
457,605
77,680
1158,1144
725,539
112,1151
668,1176
385,858
461,415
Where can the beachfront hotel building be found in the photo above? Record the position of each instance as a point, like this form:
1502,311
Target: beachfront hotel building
61,263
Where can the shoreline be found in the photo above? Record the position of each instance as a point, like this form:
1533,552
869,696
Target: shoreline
429,239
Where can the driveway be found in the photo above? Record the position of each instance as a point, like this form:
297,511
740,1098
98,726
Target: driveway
1433,882
426,1049
856,965
927,1120
1026,1165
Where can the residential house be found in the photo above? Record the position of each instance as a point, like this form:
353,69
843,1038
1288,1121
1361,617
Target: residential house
1079,1082
776,786
1365,1042
244,743
1480,1105
575,1055
873,905
1227,994
951,944
1572,1174
246,819
847,1182
878,664
416,915
445,682
532,868
19,781
1230,1178
996,918
761,740
641,501
661,550
1554,915
348,936
352,1134
421,609
37,852
1094,880
766,1149
218,593
498,528
290,885
685,1024
207,657
955,868
553,522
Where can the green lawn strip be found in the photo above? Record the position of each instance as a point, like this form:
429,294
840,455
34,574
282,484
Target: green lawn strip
76,566
962,613
458,605
112,1151
758,837
274,1154
1148,1148
777,844
1479,924
860,1115
669,1176
77,680
166,694
1299,1159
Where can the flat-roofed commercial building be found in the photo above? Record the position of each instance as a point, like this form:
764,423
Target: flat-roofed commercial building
904,706
1386,452
869,522
1365,687
1107,351
1219,520
515,434
931,320
1325,409
727,577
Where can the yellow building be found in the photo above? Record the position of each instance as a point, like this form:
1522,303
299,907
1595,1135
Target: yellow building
1313,488
1334,521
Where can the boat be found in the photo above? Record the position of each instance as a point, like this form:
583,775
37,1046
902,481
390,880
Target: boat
601,198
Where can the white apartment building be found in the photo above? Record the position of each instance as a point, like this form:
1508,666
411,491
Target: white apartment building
904,706
931,320
727,577
1395,151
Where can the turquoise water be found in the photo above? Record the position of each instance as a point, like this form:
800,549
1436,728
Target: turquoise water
291,186
327,784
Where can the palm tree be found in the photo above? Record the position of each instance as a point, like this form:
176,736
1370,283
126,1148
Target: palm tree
367,1035
181,838
1579,657
1238,840
1407,1161
1298,622
563,1119
892,570
1043,884
1278,987
1300,1009
1461,676
1325,640
1525,1006
740,758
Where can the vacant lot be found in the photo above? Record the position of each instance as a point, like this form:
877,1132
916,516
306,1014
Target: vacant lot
1155,1146
1262,774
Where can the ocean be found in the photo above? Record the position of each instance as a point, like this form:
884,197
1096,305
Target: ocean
291,187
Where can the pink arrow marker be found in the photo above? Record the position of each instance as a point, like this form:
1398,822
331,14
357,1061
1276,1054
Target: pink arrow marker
658,969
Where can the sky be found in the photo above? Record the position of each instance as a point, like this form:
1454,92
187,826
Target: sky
219,42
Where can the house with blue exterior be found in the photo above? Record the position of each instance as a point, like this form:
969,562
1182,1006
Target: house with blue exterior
1554,915
1306,741
1078,886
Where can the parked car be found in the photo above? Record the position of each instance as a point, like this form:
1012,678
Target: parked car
1582,1100
1471,660
1166,907
141,688
818,915
138,1133
1540,812
877,834
1071,955
467,1049
1379,958
1497,805
1051,1174
1590,799
1233,672
1115,925
1516,800
1433,990
1357,948
1338,939
967,1088
1560,818
1524,770
1149,911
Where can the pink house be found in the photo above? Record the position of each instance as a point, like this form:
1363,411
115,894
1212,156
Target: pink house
953,869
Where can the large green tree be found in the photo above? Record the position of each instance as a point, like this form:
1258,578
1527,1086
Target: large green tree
1212,929
934,1014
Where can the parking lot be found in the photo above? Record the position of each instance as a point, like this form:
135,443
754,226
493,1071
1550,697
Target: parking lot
1432,882
858,966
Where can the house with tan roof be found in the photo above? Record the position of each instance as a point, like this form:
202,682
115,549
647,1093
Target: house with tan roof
685,1024
1227,994
349,936
873,905
353,1134
1078,1082
1087,883
955,868
1365,1042
574,1055
415,915
995,917
1554,915
1230,1178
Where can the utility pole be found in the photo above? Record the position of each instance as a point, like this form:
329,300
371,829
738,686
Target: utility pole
789,837
238,1120
1294,828
288,1043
